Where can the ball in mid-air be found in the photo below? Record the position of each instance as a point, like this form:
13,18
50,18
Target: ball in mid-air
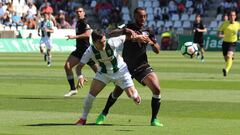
189,49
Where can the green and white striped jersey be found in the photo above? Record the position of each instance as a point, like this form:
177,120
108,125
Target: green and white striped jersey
109,60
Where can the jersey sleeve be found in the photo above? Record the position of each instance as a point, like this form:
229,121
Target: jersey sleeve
51,25
221,27
87,55
115,42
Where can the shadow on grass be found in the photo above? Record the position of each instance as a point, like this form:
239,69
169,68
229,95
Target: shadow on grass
49,98
72,124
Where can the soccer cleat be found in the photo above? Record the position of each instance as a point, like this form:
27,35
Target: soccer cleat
100,119
224,72
137,100
81,122
155,122
49,64
71,93
202,60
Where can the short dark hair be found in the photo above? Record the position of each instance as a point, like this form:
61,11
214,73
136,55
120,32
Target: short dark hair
137,9
97,35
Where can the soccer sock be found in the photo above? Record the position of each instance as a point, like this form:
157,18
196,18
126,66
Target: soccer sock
49,58
155,104
87,105
111,100
229,64
71,82
202,57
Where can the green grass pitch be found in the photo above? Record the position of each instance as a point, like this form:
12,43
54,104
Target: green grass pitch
196,98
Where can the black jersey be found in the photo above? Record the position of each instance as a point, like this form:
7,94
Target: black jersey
198,36
134,53
81,27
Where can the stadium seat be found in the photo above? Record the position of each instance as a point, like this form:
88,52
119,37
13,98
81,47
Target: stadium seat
150,17
140,4
214,25
149,10
192,17
179,30
7,28
155,3
212,32
126,17
184,17
219,17
125,10
13,28
177,24
148,3
175,17
151,23
160,23
157,9
186,24
188,4
168,24
93,4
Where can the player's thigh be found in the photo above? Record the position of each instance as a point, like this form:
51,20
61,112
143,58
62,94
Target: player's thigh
48,44
72,61
151,80
96,87
124,80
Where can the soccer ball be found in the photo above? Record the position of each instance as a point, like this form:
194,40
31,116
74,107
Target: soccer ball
189,49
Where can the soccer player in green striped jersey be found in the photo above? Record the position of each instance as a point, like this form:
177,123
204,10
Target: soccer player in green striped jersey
112,68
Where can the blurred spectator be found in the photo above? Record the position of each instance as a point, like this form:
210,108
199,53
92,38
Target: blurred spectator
32,10
2,11
61,22
16,20
157,14
115,17
181,8
199,7
46,8
6,20
31,23
172,6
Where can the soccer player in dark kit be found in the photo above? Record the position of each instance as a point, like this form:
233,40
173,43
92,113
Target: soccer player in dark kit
83,32
134,54
199,29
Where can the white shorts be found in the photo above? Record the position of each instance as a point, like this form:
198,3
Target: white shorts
46,42
121,78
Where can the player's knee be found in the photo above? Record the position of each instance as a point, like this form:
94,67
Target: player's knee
67,66
156,91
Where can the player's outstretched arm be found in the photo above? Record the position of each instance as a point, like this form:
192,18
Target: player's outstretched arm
81,78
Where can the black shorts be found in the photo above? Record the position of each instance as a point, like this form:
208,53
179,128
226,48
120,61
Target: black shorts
200,44
228,46
79,55
141,72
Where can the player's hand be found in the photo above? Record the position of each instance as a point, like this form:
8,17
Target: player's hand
142,38
69,37
81,81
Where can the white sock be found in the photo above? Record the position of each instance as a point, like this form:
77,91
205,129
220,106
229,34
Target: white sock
87,105
156,96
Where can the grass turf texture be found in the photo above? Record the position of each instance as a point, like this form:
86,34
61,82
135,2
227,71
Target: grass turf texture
196,98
